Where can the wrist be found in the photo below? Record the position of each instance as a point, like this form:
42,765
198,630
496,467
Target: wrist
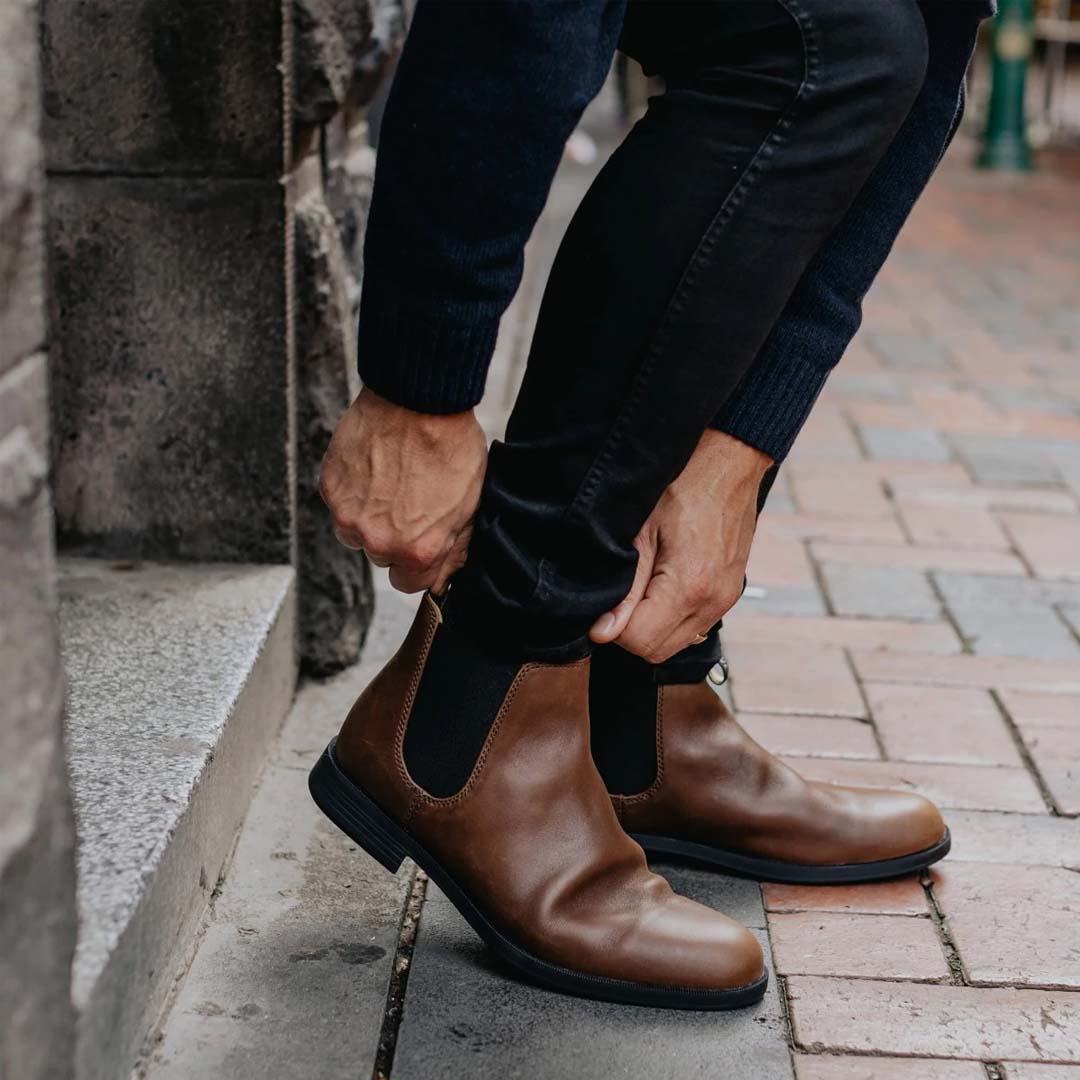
726,454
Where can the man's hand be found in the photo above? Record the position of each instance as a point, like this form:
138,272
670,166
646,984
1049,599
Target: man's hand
692,552
404,486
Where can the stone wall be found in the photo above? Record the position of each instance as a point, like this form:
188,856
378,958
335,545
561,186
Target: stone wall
197,373
37,871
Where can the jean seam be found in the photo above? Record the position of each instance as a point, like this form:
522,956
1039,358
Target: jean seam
676,305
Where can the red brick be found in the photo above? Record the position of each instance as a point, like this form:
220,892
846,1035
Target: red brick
920,637
1014,925
886,414
807,526
965,787
1051,545
827,1067
833,943
958,410
812,736
779,560
973,560
826,490
953,526
936,723
1032,839
1059,676
789,678
1050,727
901,896
869,1017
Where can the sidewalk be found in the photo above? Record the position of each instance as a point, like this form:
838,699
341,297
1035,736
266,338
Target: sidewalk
918,626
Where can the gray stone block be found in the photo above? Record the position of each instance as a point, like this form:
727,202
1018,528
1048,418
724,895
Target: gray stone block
171,367
1000,630
891,444
884,592
331,40
22,324
336,598
178,678
37,867
909,352
999,460
163,86
467,1015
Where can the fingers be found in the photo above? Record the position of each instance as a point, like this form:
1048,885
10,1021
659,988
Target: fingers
612,623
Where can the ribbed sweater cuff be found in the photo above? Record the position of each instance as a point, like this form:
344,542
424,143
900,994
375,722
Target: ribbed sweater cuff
426,361
771,404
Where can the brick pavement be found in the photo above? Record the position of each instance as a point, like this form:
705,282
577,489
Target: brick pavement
920,627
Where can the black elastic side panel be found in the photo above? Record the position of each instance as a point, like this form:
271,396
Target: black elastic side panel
460,693
622,716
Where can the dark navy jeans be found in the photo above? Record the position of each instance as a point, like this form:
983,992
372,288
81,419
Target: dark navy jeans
740,221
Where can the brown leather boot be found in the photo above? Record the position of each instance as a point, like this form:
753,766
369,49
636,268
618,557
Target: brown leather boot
530,850
719,798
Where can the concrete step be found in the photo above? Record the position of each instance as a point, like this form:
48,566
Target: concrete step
178,677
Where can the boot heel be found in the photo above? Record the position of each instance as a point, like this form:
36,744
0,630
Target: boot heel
354,813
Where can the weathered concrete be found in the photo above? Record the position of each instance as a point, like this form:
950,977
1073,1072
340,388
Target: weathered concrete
336,597
188,87
178,680
22,326
37,867
466,1015
170,367
290,981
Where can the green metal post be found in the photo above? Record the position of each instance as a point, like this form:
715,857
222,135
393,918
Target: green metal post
1005,145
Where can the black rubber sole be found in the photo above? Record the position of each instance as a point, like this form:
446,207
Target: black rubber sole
785,873
385,841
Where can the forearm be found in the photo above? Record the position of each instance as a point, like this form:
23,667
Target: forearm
774,399
483,101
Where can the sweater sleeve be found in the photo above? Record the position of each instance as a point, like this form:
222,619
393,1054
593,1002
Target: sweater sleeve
484,98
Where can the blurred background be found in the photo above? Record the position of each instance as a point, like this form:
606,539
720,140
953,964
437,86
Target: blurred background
183,191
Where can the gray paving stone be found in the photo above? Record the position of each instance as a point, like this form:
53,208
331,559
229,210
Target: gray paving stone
995,459
465,1015
867,386
1003,591
178,678
880,591
782,599
1035,632
909,352
290,981
919,444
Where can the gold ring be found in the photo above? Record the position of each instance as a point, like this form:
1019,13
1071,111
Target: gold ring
699,639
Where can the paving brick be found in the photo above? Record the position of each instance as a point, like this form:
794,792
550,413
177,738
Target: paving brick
1049,724
993,459
1004,591
892,416
957,410
827,491
908,352
794,679
1013,925
901,896
1003,630
779,560
861,946
812,736
812,526
828,1067
1050,545
934,723
965,787
1058,676
466,1016
952,526
827,434
865,386
1029,1070
864,1016
917,444
918,637
879,591
996,497
923,558
1022,839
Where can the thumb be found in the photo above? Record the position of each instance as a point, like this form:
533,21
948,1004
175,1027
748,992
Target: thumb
612,623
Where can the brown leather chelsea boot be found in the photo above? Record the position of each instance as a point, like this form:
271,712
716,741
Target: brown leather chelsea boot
530,850
714,795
